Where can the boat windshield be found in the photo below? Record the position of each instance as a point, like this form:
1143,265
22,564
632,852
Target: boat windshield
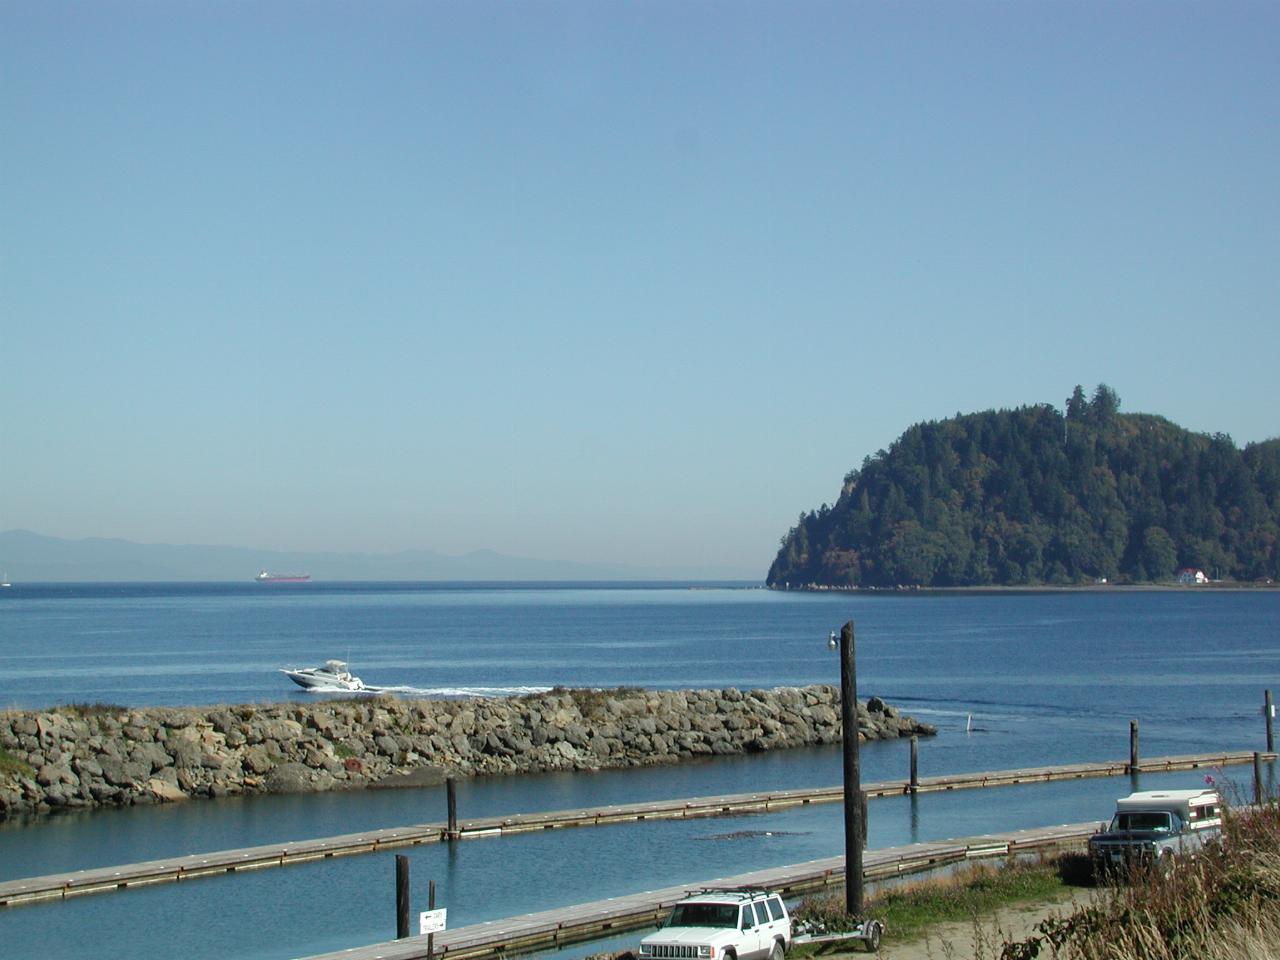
704,915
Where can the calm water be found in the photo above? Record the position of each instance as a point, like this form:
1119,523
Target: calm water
1049,677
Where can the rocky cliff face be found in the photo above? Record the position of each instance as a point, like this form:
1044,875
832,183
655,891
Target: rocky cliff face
84,758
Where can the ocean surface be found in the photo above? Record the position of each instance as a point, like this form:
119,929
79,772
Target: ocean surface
1010,679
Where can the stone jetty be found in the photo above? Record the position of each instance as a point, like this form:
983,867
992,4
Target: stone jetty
87,756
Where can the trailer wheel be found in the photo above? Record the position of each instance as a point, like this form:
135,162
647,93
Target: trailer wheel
872,938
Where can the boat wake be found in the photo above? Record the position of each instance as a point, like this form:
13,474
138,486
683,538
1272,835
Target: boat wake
446,692
463,691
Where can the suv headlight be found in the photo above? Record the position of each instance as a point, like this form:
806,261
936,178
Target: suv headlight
706,950
646,949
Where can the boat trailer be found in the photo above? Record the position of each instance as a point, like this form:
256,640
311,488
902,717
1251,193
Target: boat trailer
868,932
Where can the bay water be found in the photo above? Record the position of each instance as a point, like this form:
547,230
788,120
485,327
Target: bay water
1009,678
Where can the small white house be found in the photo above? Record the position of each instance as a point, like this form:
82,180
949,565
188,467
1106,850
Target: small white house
1192,575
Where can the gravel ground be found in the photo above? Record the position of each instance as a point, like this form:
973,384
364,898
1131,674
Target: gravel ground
979,939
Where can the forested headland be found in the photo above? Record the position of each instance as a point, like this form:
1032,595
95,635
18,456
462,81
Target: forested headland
1038,496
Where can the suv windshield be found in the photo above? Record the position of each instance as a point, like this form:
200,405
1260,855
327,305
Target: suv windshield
704,915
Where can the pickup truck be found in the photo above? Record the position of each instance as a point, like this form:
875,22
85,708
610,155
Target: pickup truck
1153,826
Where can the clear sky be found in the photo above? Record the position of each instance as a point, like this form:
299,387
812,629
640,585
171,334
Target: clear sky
603,281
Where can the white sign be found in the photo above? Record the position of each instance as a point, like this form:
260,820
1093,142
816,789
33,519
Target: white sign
431,921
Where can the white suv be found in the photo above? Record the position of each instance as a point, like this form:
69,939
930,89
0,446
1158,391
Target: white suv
747,923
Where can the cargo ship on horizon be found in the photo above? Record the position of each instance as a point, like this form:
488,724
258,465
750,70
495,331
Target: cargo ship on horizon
266,577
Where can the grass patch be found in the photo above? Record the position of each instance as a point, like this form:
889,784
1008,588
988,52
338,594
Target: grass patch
90,709
11,764
590,702
908,910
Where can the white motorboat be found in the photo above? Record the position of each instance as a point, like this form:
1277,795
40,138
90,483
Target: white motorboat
332,676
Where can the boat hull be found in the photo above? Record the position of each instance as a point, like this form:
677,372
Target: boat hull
314,679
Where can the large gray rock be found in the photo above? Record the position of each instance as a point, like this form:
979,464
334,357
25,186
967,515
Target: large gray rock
113,771
424,776
280,730
165,791
297,778
151,754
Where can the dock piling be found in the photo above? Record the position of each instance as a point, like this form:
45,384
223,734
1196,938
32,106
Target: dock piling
1133,746
915,764
1269,711
431,905
854,802
1257,778
402,896
451,789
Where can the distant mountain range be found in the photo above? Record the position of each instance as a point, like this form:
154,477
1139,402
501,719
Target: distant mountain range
32,558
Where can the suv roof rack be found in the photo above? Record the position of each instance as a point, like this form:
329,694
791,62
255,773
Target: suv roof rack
742,891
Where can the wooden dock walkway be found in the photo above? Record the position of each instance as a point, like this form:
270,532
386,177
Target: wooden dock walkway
173,869
553,929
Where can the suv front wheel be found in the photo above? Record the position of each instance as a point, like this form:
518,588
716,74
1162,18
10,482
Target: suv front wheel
776,952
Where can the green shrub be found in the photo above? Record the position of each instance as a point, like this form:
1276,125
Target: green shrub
1223,903
11,764
591,703
90,709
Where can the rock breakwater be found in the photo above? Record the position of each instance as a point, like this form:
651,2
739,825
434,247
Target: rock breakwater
75,757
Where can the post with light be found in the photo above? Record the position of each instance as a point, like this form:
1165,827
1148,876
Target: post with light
854,818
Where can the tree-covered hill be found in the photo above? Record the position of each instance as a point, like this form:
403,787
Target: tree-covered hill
1034,495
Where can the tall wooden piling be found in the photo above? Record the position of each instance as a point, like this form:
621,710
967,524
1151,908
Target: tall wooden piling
854,801
402,896
915,764
1257,778
1269,711
451,790
1133,746
431,905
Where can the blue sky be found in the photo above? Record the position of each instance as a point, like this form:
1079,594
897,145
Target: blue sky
631,282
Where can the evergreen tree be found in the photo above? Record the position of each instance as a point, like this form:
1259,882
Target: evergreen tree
1077,405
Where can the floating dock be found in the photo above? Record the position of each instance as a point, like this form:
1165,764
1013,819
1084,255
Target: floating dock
174,869
553,929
